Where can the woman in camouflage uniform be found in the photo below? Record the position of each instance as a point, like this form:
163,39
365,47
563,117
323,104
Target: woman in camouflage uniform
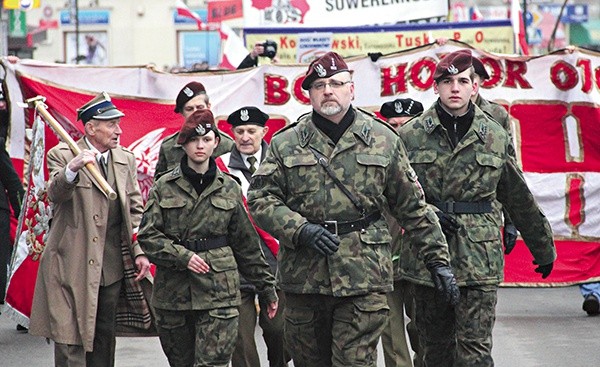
196,230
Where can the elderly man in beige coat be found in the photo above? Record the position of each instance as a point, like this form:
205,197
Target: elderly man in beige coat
91,252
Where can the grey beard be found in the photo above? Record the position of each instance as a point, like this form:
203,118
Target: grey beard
331,110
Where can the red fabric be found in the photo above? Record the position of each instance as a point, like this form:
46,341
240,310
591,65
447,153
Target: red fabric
184,11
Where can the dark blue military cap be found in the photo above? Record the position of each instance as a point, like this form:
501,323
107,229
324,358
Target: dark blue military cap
248,116
99,108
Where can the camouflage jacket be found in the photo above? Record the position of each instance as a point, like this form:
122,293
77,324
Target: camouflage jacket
175,212
479,169
495,111
170,153
291,188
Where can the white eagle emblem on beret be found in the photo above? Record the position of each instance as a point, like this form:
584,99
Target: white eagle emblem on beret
244,115
188,92
398,107
320,70
452,69
200,129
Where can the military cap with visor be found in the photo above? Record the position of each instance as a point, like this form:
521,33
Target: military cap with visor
191,90
99,108
199,123
401,107
248,116
453,63
324,67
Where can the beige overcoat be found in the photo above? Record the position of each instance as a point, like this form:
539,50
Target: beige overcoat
66,290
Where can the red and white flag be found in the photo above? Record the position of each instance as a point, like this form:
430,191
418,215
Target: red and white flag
234,50
184,11
516,18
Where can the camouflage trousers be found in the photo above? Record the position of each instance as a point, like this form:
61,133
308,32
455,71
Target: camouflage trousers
326,331
198,338
460,336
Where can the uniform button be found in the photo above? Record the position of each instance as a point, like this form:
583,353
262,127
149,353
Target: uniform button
95,239
91,262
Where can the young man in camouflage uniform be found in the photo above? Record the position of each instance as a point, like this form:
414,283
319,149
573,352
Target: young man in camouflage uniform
464,161
197,231
321,191
191,98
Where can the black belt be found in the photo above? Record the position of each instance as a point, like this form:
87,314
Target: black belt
464,207
336,227
205,244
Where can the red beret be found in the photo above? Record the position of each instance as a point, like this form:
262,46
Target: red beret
454,63
401,107
480,69
198,123
248,116
324,67
188,92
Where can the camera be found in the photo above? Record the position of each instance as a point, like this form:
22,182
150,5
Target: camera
270,49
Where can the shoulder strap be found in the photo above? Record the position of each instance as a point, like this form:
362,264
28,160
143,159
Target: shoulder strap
325,164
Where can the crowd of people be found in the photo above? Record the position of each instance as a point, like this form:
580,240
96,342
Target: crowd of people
326,236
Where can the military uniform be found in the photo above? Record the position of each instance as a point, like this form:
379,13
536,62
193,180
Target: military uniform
170,153
469,181
291,188
178,223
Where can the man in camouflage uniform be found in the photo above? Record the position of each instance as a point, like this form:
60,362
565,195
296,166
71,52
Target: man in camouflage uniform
463,160
196,230
321,191
191,98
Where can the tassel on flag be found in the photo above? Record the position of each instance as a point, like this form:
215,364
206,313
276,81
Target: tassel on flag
516,17
184,11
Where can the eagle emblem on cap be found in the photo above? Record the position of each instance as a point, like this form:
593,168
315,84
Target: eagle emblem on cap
244,115
188,92
333,66
398,107
452,69
320,70
200,129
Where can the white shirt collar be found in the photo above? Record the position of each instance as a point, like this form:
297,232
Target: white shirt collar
93,149
257,155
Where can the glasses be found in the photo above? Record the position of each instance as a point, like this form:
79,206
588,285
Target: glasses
334,84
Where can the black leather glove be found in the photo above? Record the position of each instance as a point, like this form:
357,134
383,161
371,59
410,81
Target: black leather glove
509,237
319,239
449,225
545,270
445,282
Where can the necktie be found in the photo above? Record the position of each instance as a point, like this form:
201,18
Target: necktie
252,161
103,166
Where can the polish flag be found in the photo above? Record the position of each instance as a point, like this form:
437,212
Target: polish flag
184,11
516,17
234,50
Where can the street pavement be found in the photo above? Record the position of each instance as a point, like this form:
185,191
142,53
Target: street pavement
535,327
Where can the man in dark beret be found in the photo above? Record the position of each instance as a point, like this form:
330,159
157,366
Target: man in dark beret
249,129
92,258
321,191
464,161
191,97
400,110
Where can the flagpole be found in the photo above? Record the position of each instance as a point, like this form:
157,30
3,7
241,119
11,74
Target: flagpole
38,104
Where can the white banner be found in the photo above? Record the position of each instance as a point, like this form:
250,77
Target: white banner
339,13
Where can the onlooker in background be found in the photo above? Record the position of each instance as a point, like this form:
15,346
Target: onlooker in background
393,338
191,97
266,49
321,191
249,130
197,231
591,295
11,196
464,161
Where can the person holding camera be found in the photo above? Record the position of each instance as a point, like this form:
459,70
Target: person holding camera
266,49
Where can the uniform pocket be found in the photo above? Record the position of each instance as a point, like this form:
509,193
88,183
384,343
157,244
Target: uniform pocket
485,254
489,169
370,175
302,174
226,280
